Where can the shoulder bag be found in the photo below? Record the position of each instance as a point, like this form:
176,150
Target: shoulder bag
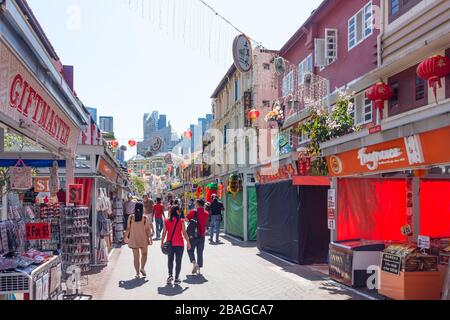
167,247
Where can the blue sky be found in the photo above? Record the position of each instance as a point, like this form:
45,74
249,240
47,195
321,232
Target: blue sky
129,62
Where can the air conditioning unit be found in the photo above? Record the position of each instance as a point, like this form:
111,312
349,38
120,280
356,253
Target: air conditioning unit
280,66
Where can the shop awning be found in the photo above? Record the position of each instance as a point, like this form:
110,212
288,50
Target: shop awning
311,181
5,163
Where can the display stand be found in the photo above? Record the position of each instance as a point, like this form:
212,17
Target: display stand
118,221
76,244
34,284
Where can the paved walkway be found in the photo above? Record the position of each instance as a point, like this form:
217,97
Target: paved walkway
233,271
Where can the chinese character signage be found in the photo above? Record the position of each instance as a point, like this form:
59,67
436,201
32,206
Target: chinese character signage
243,53
247,108
332,209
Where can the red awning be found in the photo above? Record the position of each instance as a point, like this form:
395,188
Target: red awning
311,181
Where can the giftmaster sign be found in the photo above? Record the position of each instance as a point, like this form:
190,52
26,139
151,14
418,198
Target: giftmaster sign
401,154
26,103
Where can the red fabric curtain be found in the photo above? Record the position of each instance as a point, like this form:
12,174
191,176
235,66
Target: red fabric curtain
371,209
435,208
87,183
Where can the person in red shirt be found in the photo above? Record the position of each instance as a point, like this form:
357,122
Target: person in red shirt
158,214
174,231
198,243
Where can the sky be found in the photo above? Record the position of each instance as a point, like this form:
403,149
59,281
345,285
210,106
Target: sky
131,60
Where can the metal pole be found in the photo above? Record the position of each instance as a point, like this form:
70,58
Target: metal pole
334,185
94,221
416,207
245,204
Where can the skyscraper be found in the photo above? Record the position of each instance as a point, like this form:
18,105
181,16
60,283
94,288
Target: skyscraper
107,124
93,113
150,124
162,122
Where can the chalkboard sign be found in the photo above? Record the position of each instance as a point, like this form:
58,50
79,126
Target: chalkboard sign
391,263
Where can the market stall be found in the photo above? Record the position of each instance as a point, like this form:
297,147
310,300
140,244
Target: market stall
395,194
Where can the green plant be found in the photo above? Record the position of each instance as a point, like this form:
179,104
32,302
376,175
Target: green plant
139,184
323,126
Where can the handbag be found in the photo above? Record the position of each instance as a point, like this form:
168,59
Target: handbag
167,247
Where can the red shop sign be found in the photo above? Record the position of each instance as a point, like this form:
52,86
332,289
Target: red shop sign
75,194
38,231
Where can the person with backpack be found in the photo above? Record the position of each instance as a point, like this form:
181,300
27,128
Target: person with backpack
216,218
196,231
172,243
138,236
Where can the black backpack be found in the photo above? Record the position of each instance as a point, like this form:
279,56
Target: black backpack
193,227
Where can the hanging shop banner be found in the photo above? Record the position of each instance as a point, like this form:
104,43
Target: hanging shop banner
332,209
243,53
41,185
285,172
106,170
247,108
38,231
400,154
20,176
75,194
24,102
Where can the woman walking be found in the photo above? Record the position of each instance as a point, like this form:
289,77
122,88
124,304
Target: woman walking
174,231
139,237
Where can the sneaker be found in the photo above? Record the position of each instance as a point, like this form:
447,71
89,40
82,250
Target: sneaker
195,269
143,272
177,282
170,280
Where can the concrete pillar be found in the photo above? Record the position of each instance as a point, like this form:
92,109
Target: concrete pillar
70,174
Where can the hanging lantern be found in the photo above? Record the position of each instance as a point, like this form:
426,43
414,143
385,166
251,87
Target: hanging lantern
379,93
188,134
115,144
132,143
254,114
432,70
234,184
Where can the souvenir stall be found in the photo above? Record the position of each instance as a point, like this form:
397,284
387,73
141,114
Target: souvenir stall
292,216
392,202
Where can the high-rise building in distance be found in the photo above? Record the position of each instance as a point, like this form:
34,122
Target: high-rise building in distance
93,113
106,124
162,121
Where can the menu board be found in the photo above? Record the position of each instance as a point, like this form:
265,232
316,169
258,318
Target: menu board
391,263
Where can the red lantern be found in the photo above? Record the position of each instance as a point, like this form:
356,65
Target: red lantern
132,143
254,114
114,144
188,134
432,70
379,93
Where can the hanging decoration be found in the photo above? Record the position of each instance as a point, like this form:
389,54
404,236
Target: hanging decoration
188,134
212,189
115,144
243,53
20,176
220,191
378,94
234,184
132,143
54,178
254,115
276,115
432,70
304,164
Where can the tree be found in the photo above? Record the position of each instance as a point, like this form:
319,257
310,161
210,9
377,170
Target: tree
139,184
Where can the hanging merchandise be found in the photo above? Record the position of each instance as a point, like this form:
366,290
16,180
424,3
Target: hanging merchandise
76,244
20,176
54,178
234,184
118,220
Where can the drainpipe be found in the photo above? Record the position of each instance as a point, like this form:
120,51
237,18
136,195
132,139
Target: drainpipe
381,35
245,205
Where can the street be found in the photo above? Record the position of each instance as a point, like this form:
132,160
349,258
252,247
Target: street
233,271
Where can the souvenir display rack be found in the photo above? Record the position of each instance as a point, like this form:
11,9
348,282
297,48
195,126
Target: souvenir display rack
33,284
76,244
118,221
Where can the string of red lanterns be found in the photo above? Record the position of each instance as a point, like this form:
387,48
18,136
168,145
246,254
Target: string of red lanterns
188,134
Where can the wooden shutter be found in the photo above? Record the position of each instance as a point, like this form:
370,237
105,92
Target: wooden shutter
319,53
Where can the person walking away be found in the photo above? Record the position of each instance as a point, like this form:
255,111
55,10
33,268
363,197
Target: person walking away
128,209
158,213
174,231
216,218
139,237
148,208
196,231
191,205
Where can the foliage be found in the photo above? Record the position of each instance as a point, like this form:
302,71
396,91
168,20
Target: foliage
16,142
139,184
323,126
